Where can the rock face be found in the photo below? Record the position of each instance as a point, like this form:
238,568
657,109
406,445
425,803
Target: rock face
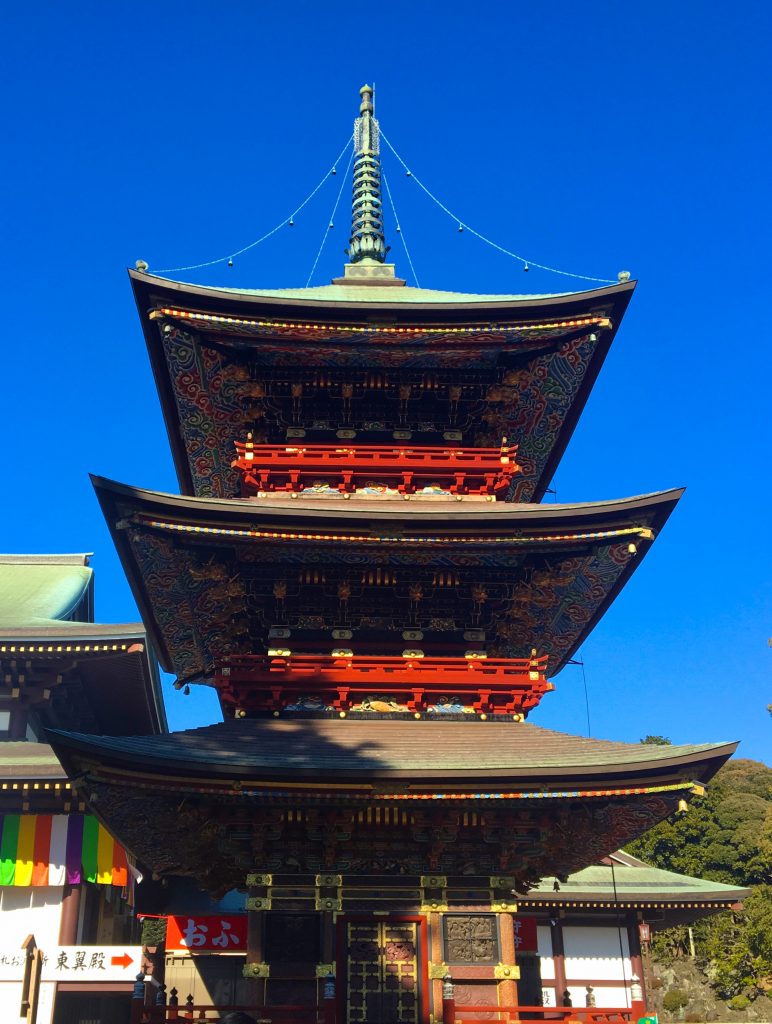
703,1004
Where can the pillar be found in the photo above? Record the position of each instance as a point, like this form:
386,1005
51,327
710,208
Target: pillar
68,922
637,990
507,994
558,959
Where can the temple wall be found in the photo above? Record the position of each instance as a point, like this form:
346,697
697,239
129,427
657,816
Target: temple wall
10,999
546,961
593,953
591,956
30,910
26,910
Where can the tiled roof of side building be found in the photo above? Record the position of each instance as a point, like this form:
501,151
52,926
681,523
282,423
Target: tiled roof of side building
427,749
635,880
46,611
41,590
45,596
23,760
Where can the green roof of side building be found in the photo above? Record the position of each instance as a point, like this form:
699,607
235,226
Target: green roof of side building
623,880
43,590
47,613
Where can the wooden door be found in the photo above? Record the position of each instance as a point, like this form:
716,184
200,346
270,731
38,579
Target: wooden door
383,971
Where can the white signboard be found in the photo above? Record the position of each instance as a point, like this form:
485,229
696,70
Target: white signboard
76,963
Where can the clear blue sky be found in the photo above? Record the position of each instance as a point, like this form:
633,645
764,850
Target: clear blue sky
590,136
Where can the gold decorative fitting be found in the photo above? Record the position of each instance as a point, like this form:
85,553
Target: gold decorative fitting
256,971
259,903
502,881
327,903
335,880
503,907
434,881
433,907
438,971
322,970
506,971
258,879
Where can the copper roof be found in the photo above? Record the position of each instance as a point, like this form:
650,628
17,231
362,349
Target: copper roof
351,749
630,880
46,615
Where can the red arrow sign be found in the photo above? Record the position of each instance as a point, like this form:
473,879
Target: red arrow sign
121,961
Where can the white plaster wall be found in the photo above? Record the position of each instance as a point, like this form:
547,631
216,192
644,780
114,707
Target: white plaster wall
30,910
593,953
10,1001
606,996
544,947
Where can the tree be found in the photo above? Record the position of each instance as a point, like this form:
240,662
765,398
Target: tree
726,836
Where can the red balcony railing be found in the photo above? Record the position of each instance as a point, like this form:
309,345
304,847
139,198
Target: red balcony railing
484,1013
480,471
488,685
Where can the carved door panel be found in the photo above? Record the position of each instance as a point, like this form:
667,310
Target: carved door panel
383,972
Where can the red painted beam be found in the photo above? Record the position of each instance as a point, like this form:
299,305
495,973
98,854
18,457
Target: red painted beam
494,685
482,471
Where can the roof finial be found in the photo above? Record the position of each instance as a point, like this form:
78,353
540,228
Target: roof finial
367,241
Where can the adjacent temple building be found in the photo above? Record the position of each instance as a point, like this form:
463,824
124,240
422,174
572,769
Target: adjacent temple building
359,562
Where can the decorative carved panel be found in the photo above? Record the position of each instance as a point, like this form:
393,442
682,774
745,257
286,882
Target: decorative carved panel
471,939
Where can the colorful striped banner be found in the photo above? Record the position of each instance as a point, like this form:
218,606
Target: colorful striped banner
51,849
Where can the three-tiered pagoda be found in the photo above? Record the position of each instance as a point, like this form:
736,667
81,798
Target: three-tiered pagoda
360,564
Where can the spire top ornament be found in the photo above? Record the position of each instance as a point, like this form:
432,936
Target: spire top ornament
367,247
367,239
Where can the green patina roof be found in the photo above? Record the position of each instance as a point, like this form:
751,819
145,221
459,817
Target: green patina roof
40,590
369,294
633,877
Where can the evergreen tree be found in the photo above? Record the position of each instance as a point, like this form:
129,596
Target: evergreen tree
726,836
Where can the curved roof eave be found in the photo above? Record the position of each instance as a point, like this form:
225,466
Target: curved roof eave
413,752
354,297
119,500
367,511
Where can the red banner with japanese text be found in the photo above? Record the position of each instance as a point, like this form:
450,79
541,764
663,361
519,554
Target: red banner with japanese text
214,933
525,935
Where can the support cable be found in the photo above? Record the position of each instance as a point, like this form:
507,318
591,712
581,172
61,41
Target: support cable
580,661
331,222
400,232
619,933
462,225
287,220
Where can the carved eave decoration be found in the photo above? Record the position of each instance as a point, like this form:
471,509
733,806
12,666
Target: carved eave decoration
211,576
228,362
208,820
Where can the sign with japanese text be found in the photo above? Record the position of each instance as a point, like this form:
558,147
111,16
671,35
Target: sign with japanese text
525,935
76,963
216,933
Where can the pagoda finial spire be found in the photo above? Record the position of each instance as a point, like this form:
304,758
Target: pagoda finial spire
367,241
367,247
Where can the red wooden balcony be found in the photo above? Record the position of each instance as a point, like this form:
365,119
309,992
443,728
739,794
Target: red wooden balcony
491,685
479,471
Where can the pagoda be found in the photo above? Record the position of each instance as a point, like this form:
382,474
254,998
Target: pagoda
360,564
